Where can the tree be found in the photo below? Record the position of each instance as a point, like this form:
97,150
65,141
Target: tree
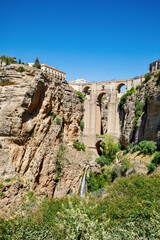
19,61
37,63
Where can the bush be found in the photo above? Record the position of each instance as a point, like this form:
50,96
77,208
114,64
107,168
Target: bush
109,149
98,181
58,121
79,146
20,69
156,158
124,98
147,77
138,112
125,165
7,180
82,125
145,147
81,96
151,167
104,160
54,115
139,87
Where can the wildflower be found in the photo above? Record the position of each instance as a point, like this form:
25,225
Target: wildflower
77,209
96,220
58,212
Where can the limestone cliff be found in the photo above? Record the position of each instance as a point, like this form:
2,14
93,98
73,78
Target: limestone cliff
145,124
37,115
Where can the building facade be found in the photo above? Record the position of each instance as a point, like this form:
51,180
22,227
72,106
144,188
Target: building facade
53,71
56,73
154,66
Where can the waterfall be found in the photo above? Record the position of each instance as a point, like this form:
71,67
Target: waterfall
83,184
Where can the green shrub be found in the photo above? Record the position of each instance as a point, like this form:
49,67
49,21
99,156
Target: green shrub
104,160
138,112
21,69
54,115
82,125
7,180
156,158
145,147
2,194
79,146
58,121
125,165
139,87
81,96
147,77
1,185
98,181
151,167
109,149
124,97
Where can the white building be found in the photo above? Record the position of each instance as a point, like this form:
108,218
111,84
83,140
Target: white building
51,70
154,66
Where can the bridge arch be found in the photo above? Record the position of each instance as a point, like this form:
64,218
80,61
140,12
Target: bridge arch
87,89
99,97
121,87
98,147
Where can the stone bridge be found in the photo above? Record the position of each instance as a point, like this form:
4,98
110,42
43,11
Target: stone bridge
94,91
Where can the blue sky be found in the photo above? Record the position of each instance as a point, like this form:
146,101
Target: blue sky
96,40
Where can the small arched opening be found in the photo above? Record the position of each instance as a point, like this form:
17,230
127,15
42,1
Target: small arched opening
87,90
99,98
98,147
121,88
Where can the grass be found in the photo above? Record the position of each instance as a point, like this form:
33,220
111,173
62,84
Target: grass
130,210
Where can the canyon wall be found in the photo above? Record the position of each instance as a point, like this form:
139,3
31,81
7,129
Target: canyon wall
40,119
147,126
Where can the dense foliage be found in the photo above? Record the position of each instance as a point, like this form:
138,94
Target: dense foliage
124,97
109,149
79,146
154,162
145,147
147,77
58,121
8,60
130,210
20,69
81,96
138,111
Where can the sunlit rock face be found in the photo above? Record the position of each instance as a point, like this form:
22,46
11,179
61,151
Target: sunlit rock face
37,115
148,124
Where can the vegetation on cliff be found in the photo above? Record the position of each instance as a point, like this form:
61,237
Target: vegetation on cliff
129,209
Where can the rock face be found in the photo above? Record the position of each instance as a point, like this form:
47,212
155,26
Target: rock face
104,113
148,124
37,115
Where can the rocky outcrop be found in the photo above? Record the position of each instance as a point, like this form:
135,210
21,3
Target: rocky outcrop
38,114
148,124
